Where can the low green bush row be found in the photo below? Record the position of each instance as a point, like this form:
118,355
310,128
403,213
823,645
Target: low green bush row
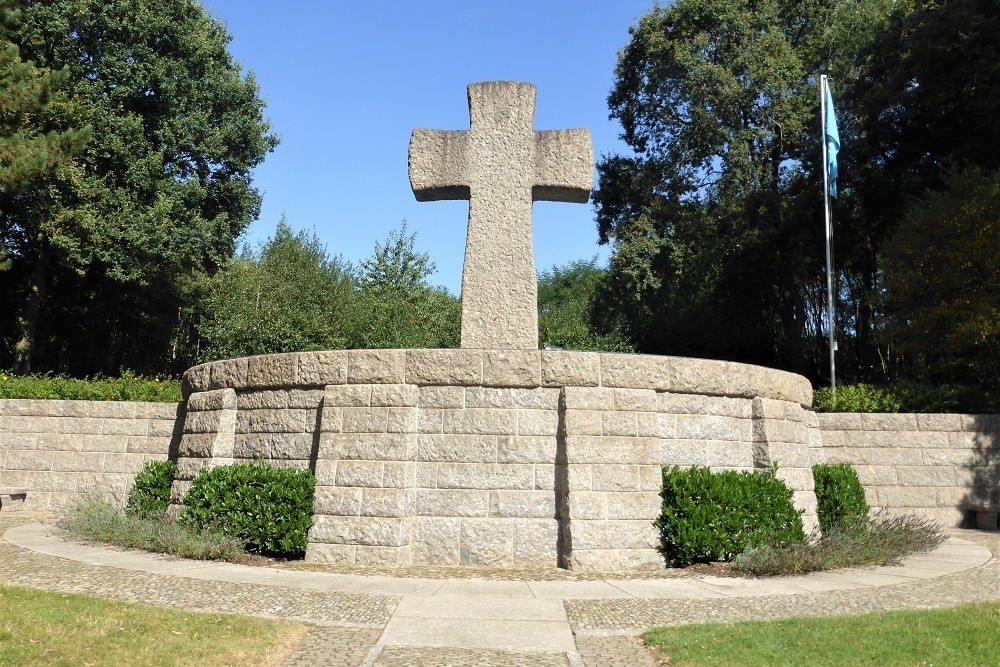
840,498
127,387
268,510
708,517
906,397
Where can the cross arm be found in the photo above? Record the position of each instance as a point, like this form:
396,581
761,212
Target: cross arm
564,166
437,162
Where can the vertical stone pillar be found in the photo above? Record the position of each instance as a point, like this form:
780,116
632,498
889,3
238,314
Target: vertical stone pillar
608,479
786,433
365,475
207,440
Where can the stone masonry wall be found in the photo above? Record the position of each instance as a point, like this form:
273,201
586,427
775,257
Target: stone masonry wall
942,466
54,452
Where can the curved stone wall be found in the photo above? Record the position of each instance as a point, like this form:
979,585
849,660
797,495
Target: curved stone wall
503,458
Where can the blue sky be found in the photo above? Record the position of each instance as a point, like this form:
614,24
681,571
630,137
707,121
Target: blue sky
347,82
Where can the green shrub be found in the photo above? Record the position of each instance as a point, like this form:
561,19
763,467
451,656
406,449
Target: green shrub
127,387
840,498
269,510
150,495
855,398
709,517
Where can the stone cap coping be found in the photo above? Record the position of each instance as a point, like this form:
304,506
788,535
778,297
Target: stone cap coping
499,368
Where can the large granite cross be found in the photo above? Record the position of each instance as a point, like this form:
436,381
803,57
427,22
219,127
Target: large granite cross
501,165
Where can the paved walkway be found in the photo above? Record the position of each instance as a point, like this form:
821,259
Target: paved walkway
383,621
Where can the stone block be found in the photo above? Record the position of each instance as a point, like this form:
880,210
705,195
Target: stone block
48,481
364,420
125,427
383,556
592,560
79,425
487,543
426,475
636,371
452,502
650,478
337,501
359,473
287,446
441,397
163,428
979,423
444,367
793,456
347,396
624,534
545,477
387,502
635,400
128,464
306,399
537,422
278,421
29,460
457,448
230,373
522,504
684,453
399,475
904,497
401,420
526,449
587,398
273,399
619,424
570,369
650,425
436,541
588,506
217,399
430,420
51,441
872,476
583,422
697,427
948,457
697,376
896,457
273,370
926,476
511,368
889,422
198,445
954,497
361,531
369,446
196,379
484,476
539,398
638,506
535,543
939,422
668,426
332,554
593,449
326,472
615,477
395,395
318,369
844,421
578,477
485,421
376,366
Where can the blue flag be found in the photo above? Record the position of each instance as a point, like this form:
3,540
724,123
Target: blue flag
832,143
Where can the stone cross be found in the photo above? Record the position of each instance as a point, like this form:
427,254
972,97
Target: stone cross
501,165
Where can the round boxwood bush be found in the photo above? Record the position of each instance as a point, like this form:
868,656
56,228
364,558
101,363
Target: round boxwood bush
709,517
268,509
150,495
840,498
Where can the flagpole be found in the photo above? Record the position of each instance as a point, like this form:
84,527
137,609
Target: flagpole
828,217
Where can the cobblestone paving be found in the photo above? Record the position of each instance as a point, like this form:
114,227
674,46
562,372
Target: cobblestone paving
427,656
614,651
634,616
334,647
27,568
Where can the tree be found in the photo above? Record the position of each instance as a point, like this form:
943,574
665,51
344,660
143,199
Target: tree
715,220
942,278
566,297
398,308
289,295
162,191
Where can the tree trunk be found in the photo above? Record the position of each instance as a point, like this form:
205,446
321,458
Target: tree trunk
28,322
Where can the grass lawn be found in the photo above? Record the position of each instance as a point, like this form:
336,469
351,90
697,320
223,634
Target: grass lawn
966,635
39,628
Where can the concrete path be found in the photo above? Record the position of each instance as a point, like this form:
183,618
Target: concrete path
385,620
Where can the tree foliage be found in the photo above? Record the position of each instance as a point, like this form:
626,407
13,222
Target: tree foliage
566,298
110,242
